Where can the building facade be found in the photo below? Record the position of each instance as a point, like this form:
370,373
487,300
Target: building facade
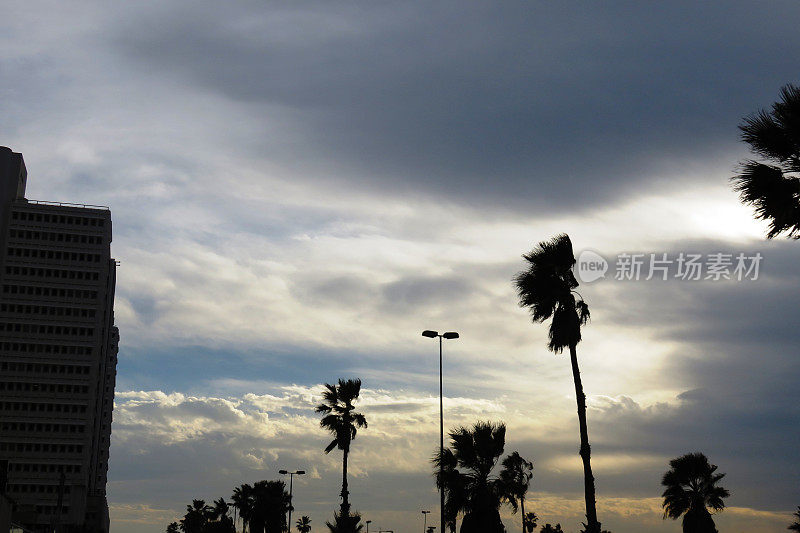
58,356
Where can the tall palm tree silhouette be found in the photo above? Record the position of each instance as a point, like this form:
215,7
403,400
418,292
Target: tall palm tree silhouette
516,477
691,489
304,524
470,487
342,422
774,188
795,526
547,288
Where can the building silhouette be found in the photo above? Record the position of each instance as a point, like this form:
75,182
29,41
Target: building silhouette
58,356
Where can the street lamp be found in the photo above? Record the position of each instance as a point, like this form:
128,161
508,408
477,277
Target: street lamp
425,525
449,335
368,523
291,478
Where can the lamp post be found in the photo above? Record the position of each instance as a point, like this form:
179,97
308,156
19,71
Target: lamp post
291,478
425,524
449,335
368,523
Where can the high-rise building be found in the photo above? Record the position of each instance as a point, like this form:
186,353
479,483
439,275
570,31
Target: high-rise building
58,355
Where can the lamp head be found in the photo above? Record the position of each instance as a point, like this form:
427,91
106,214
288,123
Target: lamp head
450,335
301,472
284,472
429,333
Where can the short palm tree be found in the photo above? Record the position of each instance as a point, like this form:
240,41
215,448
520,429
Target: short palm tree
172,527
529,522
691,489
547,288
341,420
303,524
516,478
470,487
795,526
773,188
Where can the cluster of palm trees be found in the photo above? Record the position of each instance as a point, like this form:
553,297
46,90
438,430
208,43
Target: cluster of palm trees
203,518
464,471
548,288
262,507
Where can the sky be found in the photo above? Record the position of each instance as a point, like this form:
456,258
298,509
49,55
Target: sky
299,189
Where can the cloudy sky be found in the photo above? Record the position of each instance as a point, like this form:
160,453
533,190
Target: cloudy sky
299,189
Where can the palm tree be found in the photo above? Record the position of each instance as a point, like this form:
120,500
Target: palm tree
219,519
516,477
172,527
196,517
691,489
220,510
270,505
547,528
243,501
450,480
795,526
774,189
304,524
529,522
472,490
345,523
547,288
342,422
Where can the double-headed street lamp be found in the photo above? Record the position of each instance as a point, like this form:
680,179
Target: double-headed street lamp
291,478
449,335
425,525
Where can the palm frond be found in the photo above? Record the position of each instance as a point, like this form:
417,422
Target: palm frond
359,420
583,312
691,488
769,188
774,195
546,289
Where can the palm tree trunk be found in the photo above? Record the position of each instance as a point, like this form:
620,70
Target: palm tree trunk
522,509
345,500
592,526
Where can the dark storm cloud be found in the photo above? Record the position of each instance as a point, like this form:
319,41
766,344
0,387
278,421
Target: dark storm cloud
530,103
